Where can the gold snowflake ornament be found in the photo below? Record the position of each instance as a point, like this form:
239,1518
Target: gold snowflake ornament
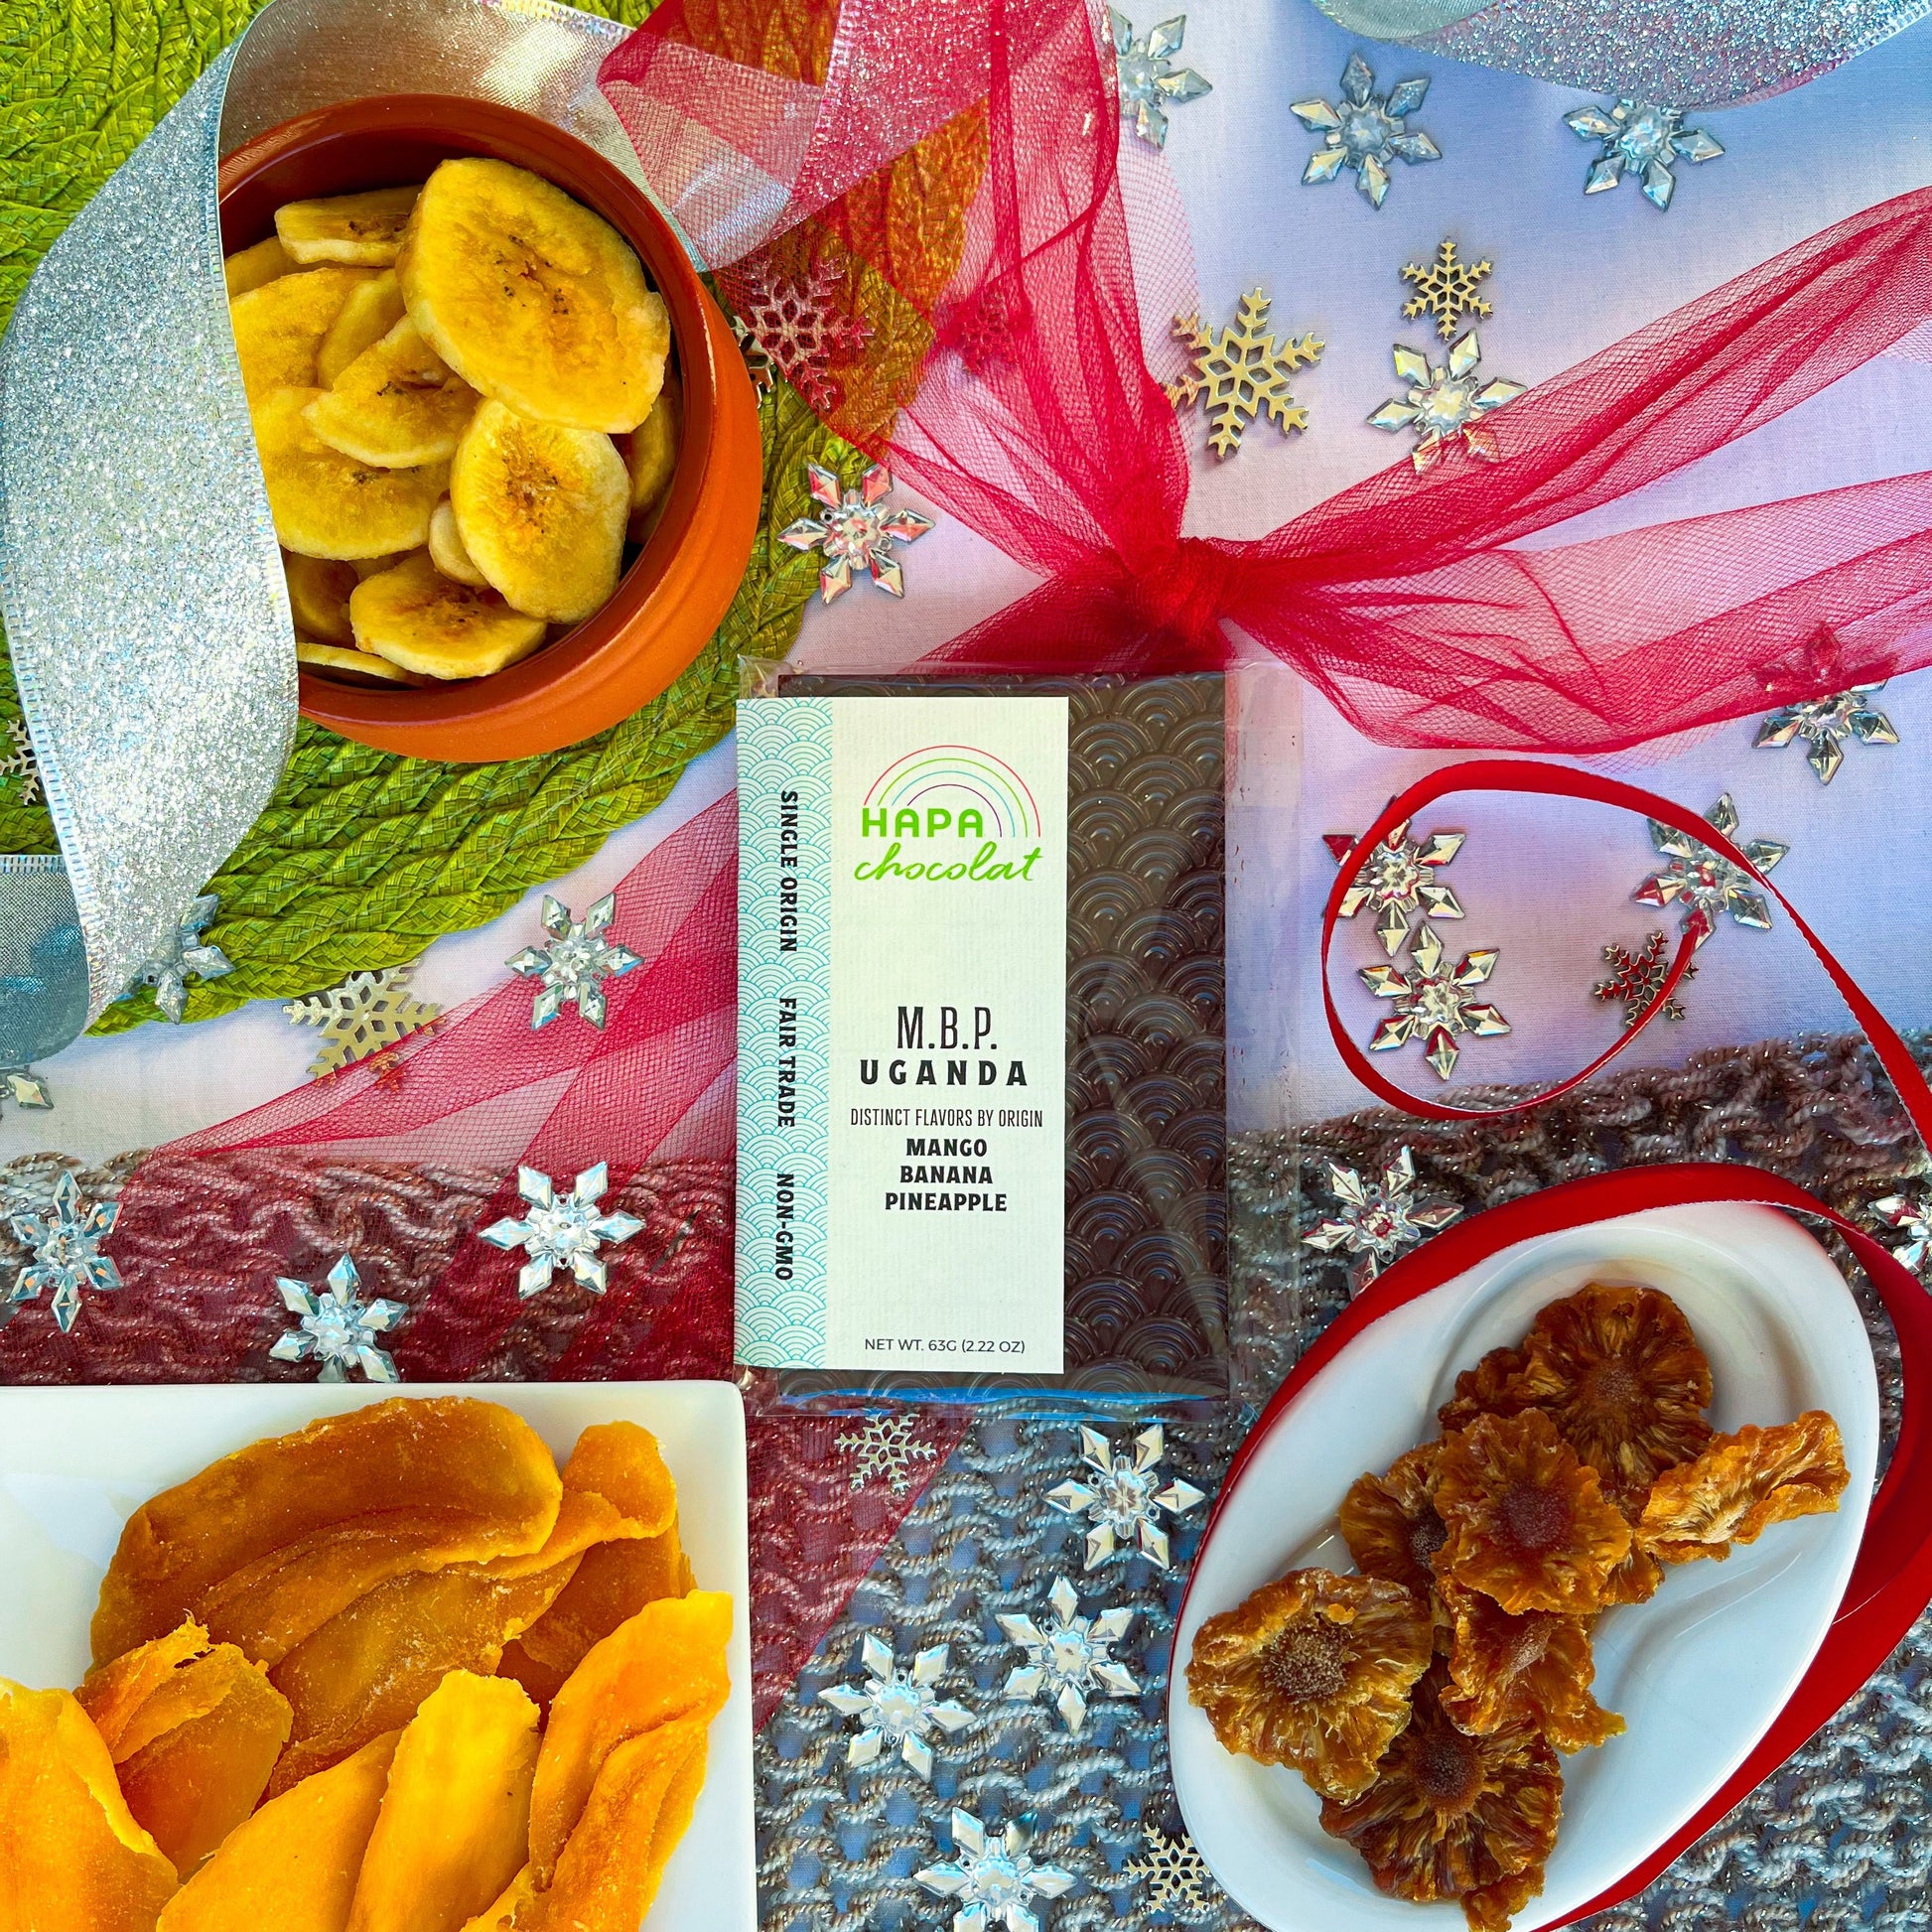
1242,372
367,1013
1175,1874
1446,288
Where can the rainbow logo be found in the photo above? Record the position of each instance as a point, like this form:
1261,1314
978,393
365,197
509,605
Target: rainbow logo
958,778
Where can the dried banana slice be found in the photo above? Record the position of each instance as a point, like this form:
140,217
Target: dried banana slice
250,268
319,594
364,229
397,405
371,311
279,326
360,664
446,549
327,504
417,619
541,511
532,299
651,456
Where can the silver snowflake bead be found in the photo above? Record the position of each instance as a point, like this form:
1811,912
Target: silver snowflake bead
337,1327
1706,885
1174,1873
896,1707
1913,1216
1432,1002
1122,1499
184,955
18,762
856,532
572,969
563,1233
1072,1659
992,1878
883,1449
25,1088
1447,403
1825,724
1641,139
1378,1219
1149,84
1398,880
1366,132
63,1253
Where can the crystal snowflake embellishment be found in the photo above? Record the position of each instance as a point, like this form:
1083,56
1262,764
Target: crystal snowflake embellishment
1399,880
1378,1219
1120,1497
993,1878
898,1706
856,532
1447,403
797,330
1636,978
1366,132
337,1327
1446,288
564,1233
18,762
572,969
1706,885
24,1087
184,955
63,1253
1432,1002
884,1449
1149,82
1642,140
1825,724
1914,1217
1072,1659
366,1014
1174,1873
1242,372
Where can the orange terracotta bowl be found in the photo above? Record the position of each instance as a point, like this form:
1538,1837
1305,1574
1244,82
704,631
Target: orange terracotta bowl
669,601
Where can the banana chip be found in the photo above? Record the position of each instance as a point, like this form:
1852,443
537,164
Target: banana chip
362,665
446,549
397,405
250,268
319,597
532,299
418,619
366,228
327,504
541,511
651,456
279,326
371,311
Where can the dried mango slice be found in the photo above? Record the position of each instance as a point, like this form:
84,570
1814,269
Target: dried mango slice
1534,1670
1451,1814
250,268
1488,1389
541,511
70,1852
374,309
1744,1483
319,594
446,549
667,1662
513,1907
364,229
651,455
121,1698
317,1517
293,1865
397,405
1314,1670
279,326
355,664
330,505
1527,1521
532,299
418,619
451,1833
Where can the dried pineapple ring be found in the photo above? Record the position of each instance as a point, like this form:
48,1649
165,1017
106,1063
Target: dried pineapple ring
371,311
446,549
651,455
1390,1524
1534,1670
364,229
1488,1389
327,504
1527,1521
1489,1908
541,511
363,664
319,593
1314,1670
532,299
250,268
279,326
1744,1483
418,619
398,405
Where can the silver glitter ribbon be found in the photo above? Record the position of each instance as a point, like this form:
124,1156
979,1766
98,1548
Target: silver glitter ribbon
140,581
1683,52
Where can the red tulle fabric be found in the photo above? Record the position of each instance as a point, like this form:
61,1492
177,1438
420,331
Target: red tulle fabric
1438,610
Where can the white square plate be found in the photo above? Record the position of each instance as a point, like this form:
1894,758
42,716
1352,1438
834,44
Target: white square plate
75,1463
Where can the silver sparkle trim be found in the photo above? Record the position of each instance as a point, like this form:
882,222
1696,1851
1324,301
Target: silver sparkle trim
337,1327
856,532
1432,1003
992,1878
64,1256
1378,1219
1447,403
1149,82
564,1233
572,969
184,955
1399,880
1825,724
1366,132
896,1708
1072,1659
1706,885
1641,139
1120,1497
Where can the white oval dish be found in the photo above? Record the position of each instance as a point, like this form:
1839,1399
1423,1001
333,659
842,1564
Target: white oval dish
1699,1672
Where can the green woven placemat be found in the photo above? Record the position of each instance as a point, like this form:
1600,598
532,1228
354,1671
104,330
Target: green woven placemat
361,857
